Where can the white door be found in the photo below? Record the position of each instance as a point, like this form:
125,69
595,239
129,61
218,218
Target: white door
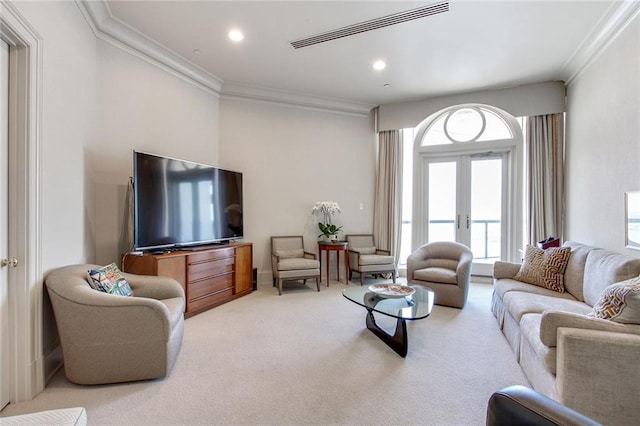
466,203
5,352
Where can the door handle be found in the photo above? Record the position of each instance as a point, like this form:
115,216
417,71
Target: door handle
468,222
13,262
458,222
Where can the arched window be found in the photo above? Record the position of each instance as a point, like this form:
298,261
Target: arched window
467,179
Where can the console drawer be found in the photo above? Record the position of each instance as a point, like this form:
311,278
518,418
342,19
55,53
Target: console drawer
203,287
199,271
210,300
206,256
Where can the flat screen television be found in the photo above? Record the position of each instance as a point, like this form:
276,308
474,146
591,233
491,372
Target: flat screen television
183,204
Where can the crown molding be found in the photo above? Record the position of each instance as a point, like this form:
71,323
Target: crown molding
611,25
114,31
110,29
297,100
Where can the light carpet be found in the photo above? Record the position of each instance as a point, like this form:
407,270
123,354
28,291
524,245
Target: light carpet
307,358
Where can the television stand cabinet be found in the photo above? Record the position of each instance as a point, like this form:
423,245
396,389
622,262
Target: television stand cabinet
209,277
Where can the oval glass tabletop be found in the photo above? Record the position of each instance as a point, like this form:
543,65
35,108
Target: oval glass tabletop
412,307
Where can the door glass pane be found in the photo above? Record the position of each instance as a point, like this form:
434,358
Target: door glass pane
442,201
486,209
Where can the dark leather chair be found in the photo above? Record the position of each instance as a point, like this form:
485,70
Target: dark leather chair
523,406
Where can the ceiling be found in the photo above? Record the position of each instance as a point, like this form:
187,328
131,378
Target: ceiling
475,45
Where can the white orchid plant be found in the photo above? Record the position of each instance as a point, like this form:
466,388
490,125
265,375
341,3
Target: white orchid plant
324,210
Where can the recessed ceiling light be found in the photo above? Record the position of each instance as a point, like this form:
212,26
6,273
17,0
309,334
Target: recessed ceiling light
379,65
387,85
196,51
236,35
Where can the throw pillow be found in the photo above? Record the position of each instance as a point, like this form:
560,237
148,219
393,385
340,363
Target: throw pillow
290,254
544,268
620,302
365,250
109,279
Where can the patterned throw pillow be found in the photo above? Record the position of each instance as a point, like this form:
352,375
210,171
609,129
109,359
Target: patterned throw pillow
619,302
109,280
544,268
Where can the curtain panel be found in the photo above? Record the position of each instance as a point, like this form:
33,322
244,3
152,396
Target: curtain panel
387,211
545,177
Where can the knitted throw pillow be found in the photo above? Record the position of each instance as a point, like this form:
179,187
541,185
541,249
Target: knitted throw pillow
619,302
544,268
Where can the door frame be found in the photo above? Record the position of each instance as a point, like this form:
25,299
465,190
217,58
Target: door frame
513,170
24,239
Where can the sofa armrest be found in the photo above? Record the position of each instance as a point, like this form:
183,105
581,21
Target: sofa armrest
598,374
551,321
505,269
520,405
154,287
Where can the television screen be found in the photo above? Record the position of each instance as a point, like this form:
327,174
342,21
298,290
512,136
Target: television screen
180,203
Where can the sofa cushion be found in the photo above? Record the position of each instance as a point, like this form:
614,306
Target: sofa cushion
603,268
574,274
519,303
620,302
109,279
436,275
292,264
505,285
544,268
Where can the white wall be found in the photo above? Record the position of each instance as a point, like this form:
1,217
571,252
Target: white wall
603,143
292,158
141,107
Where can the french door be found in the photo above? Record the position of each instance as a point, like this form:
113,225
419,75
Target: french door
5,351
466,199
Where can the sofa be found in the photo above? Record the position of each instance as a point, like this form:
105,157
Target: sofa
566,348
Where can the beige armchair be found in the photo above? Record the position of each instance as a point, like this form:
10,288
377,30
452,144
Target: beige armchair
290,262
109,339
445,267
365,258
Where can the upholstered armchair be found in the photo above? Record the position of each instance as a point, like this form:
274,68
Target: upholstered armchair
107,338
366,259
445,267
290,262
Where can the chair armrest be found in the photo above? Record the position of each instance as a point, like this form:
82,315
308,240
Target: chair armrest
385,252
598,374
551,321
154,287
520,405
463,270
505,269
309,255
354,259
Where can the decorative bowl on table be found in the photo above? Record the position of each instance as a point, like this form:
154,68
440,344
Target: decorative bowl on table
392,290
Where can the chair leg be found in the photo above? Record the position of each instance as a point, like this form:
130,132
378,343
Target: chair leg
361,278
279,286
274,281
393,276
318,283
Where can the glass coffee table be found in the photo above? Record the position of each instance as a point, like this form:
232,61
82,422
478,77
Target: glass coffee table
402,302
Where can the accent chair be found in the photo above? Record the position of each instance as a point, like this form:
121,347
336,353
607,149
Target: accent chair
366,259
107,338
290,262
444,267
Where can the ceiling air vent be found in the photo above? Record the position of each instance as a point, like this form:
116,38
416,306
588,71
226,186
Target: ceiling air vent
374,24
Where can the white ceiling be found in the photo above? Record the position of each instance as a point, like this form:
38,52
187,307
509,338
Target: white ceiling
476,45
